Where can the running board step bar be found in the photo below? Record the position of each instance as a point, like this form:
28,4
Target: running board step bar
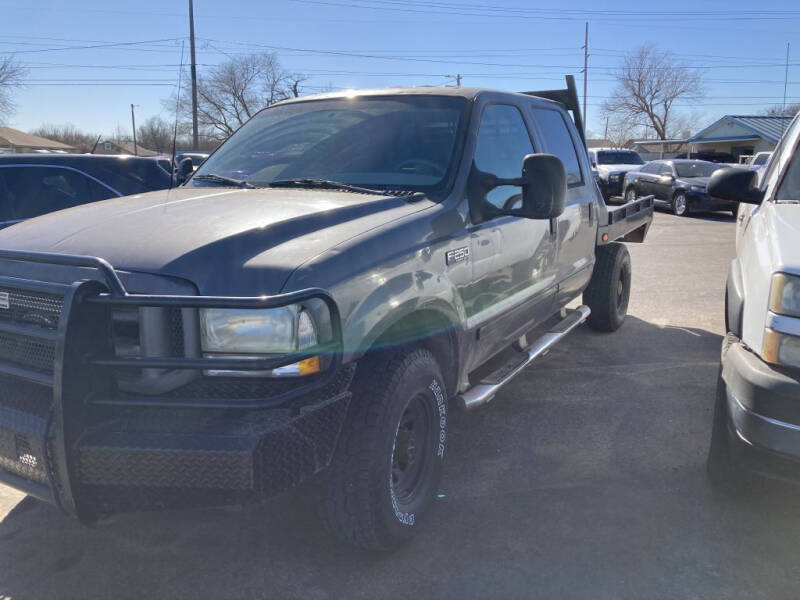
484,391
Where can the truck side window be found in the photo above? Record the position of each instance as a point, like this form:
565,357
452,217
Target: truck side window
558,141
790,186
503,142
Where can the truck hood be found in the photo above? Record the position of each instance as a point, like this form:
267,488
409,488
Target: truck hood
608,169
226,241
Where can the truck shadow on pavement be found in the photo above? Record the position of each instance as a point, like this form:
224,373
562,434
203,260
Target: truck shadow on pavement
585,475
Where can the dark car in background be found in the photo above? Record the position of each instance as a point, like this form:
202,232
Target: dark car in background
36,184
678,184
714,157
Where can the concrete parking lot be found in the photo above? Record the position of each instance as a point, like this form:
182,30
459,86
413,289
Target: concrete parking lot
583,479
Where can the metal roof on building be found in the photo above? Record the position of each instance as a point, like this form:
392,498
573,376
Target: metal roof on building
768,128
14,137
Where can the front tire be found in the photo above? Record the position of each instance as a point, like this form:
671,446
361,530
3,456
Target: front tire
680,205
609,289
388,464
630,194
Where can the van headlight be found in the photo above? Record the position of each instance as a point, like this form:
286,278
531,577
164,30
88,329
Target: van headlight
256,332
781,349
784,295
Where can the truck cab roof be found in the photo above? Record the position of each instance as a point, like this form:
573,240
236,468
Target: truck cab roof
469,93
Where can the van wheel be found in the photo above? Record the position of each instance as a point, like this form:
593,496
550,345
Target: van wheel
388,463
680,205
609,288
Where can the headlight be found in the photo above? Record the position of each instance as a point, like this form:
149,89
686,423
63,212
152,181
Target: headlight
614,177
257,331
780,348
248,332
784,295
698,188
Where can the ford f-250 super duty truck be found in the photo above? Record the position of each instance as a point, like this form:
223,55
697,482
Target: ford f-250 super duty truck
310,303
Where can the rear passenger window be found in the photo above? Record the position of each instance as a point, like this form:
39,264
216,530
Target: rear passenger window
34,191
649,168
503,141
558,141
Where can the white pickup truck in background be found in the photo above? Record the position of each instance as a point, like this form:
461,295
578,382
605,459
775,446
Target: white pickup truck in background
757,410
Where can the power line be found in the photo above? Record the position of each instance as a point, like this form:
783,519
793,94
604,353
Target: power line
92,46
495,11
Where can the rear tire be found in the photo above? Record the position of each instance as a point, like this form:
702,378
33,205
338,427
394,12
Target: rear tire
388,464
609,289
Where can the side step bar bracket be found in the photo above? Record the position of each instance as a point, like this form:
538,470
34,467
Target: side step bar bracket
488,387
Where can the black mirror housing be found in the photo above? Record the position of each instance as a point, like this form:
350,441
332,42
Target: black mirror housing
544,187
735,184
185,168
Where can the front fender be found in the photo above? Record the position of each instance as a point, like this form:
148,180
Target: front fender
734,299
396,299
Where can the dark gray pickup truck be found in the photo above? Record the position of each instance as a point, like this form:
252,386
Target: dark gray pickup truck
306,307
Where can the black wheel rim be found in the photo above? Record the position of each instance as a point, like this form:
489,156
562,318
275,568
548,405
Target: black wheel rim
412,450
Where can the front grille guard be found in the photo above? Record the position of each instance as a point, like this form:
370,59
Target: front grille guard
112,292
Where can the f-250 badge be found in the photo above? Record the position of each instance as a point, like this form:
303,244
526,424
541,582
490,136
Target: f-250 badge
456,256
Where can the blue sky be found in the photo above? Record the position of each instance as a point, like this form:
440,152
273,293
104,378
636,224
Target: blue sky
76,77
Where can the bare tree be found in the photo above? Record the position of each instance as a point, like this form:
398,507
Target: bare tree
12,76
233,91
620,130
155,134
779,110
121,135
82,141
649,81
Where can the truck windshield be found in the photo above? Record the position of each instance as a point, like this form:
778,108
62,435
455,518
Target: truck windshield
695,169
606,157
384,142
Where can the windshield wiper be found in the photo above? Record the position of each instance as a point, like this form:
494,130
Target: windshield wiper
323,183
224,180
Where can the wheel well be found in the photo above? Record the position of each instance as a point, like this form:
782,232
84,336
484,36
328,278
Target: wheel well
425,329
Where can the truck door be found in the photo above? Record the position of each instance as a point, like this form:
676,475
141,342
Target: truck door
512,257
577,226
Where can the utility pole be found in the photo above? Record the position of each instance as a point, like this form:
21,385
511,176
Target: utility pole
133,126
585,69
605,137
457,77
195,143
